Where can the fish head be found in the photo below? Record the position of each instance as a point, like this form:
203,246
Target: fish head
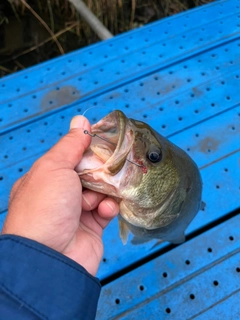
135,165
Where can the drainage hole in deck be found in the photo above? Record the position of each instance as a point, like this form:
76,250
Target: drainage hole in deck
168,310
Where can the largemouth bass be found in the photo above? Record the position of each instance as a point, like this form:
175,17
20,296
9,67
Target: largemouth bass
158,186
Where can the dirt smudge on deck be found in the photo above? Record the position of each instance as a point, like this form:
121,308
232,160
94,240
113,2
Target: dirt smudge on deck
206,145
59,97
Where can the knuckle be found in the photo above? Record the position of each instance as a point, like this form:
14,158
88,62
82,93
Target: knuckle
44,163
15,188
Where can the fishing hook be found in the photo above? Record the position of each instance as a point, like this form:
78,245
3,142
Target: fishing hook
106,140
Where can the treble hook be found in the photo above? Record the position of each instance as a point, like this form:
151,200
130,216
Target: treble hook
106,140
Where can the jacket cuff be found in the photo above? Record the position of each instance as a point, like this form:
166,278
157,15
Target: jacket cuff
47,283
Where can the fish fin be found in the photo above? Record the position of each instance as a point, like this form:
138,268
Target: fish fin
139,240
178,239
157,243
123,230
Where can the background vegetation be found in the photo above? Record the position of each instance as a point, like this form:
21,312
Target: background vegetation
32,31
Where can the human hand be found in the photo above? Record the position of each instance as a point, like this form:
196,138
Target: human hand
47,204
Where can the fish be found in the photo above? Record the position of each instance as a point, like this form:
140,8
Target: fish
157,185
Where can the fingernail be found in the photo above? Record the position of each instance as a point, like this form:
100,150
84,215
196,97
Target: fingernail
109,204
77,122
85,199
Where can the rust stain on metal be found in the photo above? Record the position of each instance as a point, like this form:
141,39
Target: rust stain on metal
208,144
59,97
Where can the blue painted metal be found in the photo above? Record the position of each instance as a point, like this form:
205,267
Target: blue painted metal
192,279
106,65
181,75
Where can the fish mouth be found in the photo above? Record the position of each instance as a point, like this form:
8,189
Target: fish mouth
111,143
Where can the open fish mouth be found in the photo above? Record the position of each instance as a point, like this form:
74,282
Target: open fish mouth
112,140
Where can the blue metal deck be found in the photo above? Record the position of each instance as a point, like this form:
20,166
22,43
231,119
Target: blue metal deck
181,75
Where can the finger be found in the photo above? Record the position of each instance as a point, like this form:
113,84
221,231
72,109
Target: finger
91,199
69,150
107,210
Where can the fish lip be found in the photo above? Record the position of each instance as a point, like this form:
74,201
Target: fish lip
104,128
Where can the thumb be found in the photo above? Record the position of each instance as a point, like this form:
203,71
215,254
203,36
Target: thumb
69,150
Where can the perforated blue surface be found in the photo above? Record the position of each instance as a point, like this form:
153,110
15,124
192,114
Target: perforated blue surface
181,75
197,277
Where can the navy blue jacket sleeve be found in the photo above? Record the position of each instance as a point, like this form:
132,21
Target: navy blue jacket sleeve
37,282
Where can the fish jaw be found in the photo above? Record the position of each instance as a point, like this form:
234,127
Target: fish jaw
103,167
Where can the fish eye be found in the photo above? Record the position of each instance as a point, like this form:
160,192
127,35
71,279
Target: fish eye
154,155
